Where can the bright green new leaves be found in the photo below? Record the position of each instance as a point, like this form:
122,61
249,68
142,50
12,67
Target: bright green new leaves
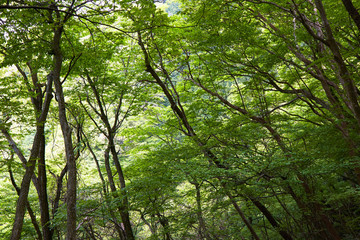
230,119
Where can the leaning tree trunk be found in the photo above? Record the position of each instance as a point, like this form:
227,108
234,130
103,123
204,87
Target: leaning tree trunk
30,165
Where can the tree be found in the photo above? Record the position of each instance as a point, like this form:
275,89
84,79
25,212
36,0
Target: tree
181,120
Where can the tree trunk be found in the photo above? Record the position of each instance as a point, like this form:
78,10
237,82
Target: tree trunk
118,228
285,235
123,192
28,207
165,224
203,233
343,73
25,185
242,215
110,135
66,131
353,12
43,197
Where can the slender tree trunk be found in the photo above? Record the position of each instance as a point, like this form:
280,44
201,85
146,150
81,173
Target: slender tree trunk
97,166
165,224
28,207
24,190
114,191
344,75
41,187
25,184
203,233
43,197
152,230
125,217
66,131
40,182
242,215
353,12
110,135
285,235
59,185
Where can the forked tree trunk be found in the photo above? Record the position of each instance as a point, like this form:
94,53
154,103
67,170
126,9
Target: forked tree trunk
25,184
110,135
28,207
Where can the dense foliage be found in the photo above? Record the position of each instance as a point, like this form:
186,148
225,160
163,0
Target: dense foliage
180,119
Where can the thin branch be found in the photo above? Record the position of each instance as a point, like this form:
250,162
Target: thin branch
281,106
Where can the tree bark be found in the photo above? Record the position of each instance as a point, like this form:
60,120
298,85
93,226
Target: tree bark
118,228
165,224
43,196
353,12
125,217
28,207
203,232
66,131
110,135
285,235
59,185
42,178
243,218
25,184
344,75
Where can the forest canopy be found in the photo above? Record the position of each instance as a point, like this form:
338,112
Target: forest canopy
180,119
